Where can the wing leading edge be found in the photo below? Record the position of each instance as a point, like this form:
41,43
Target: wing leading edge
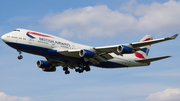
140,44
135,46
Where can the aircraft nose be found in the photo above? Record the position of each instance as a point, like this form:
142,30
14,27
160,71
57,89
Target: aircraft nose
3,37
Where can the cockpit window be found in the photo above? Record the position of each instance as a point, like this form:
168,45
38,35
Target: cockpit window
17,30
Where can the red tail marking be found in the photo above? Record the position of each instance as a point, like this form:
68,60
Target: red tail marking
148,39
139,55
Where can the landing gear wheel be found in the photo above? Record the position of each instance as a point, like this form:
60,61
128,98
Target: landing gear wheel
67,72
77,70
87,69
65,68
81,70
20,57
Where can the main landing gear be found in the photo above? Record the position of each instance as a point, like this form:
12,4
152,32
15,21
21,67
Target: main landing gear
20,56
81,68
66,70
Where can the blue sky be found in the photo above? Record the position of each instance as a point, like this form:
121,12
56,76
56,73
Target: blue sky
94,23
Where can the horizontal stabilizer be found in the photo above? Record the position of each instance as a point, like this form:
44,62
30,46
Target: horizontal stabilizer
174,36
152,59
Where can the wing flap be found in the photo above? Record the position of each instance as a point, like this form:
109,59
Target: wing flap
152,59
56,63
107,56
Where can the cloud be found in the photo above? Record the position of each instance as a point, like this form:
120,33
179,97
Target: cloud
5,97
89,21
155,17
131,19
170,94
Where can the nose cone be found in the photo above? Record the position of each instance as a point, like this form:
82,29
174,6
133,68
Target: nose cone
3,37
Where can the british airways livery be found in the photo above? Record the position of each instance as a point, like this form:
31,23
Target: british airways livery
69,55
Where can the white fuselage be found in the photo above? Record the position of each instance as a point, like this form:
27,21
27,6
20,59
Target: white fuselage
34,43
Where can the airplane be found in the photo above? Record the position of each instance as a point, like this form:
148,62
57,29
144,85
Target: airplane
69,55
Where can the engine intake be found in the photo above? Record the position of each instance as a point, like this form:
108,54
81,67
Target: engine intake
124,49
86,53
43,64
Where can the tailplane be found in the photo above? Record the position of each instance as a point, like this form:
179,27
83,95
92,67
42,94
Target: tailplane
152,59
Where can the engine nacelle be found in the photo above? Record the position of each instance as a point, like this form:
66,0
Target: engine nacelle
124,49
43,64
53,69
86,53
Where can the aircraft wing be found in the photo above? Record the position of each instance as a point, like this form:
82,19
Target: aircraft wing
135,46
95,60
71,53
107,49
56,63
140,44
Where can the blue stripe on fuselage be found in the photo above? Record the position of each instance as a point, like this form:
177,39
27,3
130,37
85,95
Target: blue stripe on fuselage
30,36
52,54
48,53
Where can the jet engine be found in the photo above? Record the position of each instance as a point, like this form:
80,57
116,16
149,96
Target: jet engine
53,69
86,53
124,49
45,66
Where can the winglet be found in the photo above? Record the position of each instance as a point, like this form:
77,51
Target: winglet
174,36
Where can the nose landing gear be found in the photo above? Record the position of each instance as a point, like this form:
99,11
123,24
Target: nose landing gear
20,56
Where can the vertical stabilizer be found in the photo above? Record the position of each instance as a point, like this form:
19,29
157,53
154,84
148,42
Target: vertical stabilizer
142,54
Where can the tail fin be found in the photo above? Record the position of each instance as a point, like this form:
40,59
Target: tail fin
142,54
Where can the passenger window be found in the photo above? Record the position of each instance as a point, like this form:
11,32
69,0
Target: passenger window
14,37
31,40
